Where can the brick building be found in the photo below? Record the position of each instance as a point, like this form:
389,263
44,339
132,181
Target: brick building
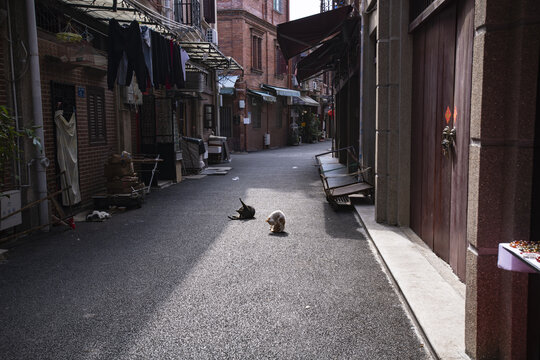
60,62
247,32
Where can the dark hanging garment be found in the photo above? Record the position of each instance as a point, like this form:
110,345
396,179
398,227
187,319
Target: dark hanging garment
177,73
146,41
160,59
125,40
170,75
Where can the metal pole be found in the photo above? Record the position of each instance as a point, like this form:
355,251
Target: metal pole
42,162
361,89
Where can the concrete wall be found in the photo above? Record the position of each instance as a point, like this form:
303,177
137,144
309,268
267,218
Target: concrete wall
503,110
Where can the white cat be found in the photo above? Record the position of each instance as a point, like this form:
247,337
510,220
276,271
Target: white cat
276,221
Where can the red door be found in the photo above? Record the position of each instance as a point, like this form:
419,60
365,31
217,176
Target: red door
442,63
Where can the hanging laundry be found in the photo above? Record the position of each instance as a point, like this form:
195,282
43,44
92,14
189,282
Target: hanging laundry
184,57
68,162
147,52
177,75
160,59
126,41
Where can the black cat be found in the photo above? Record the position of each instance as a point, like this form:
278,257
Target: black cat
245,212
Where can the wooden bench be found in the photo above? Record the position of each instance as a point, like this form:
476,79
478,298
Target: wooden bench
343,181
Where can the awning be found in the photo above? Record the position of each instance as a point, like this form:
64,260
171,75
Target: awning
279,91
300,35
264,96
125,11
208,54
226,85
304,100
325,56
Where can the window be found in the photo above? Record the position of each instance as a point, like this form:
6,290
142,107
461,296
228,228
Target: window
256,53
255,113
97,131
281,64
225,118
208,116
279,113
277,5
187,12
209,11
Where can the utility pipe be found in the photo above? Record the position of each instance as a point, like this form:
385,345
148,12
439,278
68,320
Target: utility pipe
361,88
42,162
14,91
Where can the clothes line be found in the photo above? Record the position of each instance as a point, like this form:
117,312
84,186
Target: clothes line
155,60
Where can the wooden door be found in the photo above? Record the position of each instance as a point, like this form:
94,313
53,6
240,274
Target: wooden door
442,64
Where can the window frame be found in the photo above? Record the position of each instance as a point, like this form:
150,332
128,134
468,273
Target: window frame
256,112
95,138
208,116
277,5
280,62
256,51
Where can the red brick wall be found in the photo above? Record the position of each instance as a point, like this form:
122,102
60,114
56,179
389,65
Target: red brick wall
236,21
91,157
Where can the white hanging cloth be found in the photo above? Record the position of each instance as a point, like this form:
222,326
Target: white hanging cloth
66,138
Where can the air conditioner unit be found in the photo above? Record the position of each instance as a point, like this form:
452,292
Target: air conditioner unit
211,36
10,202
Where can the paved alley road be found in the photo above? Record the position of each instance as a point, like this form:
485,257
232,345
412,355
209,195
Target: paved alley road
177,279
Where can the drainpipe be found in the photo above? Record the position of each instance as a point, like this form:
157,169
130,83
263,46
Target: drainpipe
361,88
14,90
42,162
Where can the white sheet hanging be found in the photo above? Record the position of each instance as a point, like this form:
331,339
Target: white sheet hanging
66,138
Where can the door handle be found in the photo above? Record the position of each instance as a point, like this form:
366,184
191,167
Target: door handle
449,139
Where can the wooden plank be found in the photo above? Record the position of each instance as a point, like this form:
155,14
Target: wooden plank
445,102
430,137
462,91
428,12
351,189
417,131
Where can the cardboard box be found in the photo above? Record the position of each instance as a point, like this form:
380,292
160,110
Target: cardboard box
118,170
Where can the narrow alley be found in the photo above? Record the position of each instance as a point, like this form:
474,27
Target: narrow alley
177,279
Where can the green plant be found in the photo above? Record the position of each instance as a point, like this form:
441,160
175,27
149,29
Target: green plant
9,134
309,127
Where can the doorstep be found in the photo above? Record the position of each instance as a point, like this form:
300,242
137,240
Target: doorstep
434,294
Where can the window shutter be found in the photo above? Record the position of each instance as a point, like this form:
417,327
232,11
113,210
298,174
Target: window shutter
209,11
97,131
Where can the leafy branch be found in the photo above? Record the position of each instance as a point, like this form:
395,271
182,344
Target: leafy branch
9,134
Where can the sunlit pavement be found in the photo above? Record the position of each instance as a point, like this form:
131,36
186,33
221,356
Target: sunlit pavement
177,279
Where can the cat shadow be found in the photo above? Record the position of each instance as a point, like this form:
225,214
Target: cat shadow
243,220
280,234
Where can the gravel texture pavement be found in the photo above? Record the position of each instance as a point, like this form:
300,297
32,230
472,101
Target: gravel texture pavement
177,279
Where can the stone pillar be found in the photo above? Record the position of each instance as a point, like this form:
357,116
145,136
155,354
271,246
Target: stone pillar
503,107
393,113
